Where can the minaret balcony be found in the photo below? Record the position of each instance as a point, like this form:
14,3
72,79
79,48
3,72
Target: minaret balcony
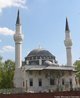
18,38
68,42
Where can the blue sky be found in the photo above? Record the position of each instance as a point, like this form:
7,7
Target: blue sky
43,23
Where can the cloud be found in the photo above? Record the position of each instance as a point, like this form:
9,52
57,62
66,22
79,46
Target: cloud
12,3
7,48
6,31
0,40
1,51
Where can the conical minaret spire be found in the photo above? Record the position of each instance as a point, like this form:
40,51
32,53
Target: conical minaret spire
68,44
67,26
18,18
18,24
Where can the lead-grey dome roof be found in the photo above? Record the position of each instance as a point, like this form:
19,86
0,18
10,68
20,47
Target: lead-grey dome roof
36,55
40,52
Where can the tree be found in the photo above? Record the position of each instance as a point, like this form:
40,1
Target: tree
77,67
6,74
1,72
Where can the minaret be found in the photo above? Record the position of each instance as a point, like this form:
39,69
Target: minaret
18,38
68,44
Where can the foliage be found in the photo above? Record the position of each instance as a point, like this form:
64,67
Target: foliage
6,73
77,67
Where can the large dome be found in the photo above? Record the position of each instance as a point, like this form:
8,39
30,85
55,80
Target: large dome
39,55
40,52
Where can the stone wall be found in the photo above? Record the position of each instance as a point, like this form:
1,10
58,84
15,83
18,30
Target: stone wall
43,95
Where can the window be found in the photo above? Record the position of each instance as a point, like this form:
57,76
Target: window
23,83
40,82
71,82
62,81
31,82
52,82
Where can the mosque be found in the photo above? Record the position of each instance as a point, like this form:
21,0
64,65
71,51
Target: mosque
40,71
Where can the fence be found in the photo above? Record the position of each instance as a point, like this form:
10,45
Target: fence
65,94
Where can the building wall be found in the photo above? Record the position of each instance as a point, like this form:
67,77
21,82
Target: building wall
18,78
45,76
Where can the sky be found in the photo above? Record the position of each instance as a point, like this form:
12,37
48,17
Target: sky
43,24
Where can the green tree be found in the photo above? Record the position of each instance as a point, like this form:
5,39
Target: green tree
77,67
6,74
1,68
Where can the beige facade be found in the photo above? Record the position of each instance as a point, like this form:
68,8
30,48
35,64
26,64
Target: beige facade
48,80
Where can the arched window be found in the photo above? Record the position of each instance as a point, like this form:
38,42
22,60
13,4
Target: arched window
52,81
31,82
40,82
63,81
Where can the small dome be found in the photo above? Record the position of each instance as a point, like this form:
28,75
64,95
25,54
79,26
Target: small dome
48,62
